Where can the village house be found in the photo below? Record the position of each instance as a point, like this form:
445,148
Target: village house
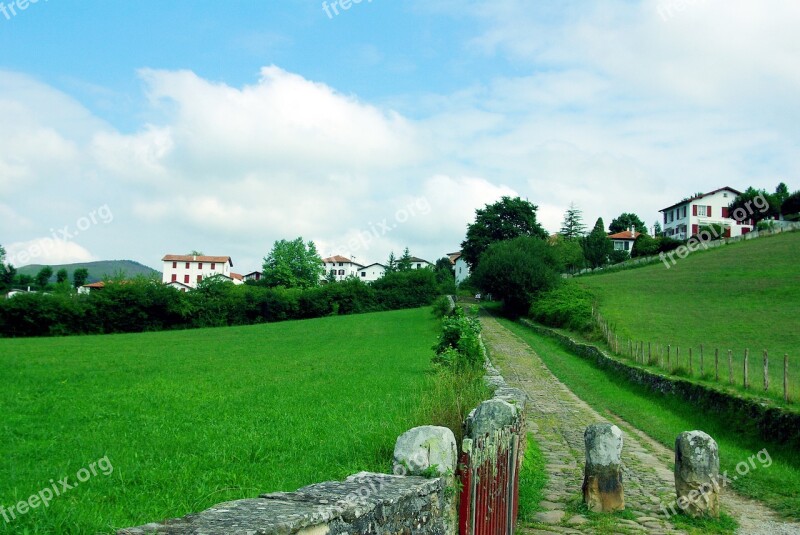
684,219
186,271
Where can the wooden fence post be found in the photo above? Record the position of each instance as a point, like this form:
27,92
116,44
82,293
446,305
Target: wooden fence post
716,364
746,359
766,370
786,377
730,366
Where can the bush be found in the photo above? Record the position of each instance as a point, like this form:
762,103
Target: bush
617,256
406,289
765,225
645,246
568,306
442,307
714,231
790,209
459,346
667,244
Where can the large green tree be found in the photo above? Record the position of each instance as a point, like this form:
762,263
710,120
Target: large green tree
572,227
79,277
625,221
755,204
506,219
7,272
62,275
293,264
569,253
596,246
43,277
518,270
790,209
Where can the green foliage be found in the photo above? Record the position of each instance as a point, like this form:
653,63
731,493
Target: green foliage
293,264
657,230
532,480
43,277
569,306
572,227
189,419
79,277
667,244
765,225
442,307
645,246
625,221
618,256
445,276
712,231
596,246
569,253
404,263
504,220
790,209
517,270
62,275
7,272
404,289
459,346
757,204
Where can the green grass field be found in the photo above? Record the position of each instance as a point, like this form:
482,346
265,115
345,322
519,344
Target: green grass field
663,418
743,295
191,418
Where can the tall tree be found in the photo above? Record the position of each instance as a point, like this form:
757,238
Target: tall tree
625,221
504,220
569,253
293,264
391,264
755,204
62,275
657,230
572,227
43,277
596,246
405,263
790,209
7,272
781,194
79,277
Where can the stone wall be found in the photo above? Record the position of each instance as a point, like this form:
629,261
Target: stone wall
363,503
771,423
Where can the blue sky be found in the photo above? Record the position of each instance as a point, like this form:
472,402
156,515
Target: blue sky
224,126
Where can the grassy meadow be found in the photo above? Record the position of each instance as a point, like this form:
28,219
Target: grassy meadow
743,295
776,483
191,418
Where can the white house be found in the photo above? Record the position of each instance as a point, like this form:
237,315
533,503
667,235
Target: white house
372,272
684,219
341,267
623,241
419,263
460,267
189,270
91,287
253,276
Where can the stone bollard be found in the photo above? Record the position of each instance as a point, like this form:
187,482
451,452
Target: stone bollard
697,474
602,481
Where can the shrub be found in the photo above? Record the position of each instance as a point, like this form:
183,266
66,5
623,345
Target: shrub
568,306
712,231
459,346
406,289
667,244
790,209
442,307
645,246
617,256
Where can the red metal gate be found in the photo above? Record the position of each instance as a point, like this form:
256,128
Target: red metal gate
489,474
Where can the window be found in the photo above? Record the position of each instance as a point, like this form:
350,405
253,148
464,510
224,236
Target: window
701,211
627,246
199,278
684,211
341,264
174,265
213,265
341,271
333,272
187,265
186,279
174,277
363,273
200,265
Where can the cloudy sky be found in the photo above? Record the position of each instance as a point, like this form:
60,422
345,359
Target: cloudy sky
129,130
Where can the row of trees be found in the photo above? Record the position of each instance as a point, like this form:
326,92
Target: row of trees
10,278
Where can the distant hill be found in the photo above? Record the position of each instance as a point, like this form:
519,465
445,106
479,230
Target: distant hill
97,270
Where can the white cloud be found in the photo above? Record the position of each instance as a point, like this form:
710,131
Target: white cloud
46,251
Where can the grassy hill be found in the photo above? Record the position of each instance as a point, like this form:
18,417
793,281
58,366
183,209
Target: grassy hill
97,270
743,295
192,418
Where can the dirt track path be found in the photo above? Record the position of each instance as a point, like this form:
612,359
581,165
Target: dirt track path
557,418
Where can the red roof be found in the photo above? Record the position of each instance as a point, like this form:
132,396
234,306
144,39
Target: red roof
624,235
190,258
338,258
96,285
236,276
690,199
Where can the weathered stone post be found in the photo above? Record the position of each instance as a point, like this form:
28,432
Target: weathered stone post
697,474
602,482
430,450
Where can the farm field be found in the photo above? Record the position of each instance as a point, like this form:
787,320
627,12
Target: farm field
189,419
743,295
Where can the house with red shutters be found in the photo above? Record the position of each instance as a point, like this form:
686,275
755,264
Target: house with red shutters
685,219
186,271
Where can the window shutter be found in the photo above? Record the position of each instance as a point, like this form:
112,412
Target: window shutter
724,211
694,209
694,229
708,211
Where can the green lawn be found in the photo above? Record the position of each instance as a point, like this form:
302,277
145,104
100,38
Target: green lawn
663,418
191,418
743,295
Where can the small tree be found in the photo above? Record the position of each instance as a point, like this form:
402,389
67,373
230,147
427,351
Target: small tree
293,264
625,221
43,277
405,263
391,264
62,275
645,246
597,247
572,227
569,253
79,277
790,209
657,230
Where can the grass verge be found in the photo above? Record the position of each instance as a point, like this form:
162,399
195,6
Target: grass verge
532,480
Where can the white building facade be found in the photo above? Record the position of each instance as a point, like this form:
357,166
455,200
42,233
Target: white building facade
341,267
460,267
189,270
684,219
372,272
